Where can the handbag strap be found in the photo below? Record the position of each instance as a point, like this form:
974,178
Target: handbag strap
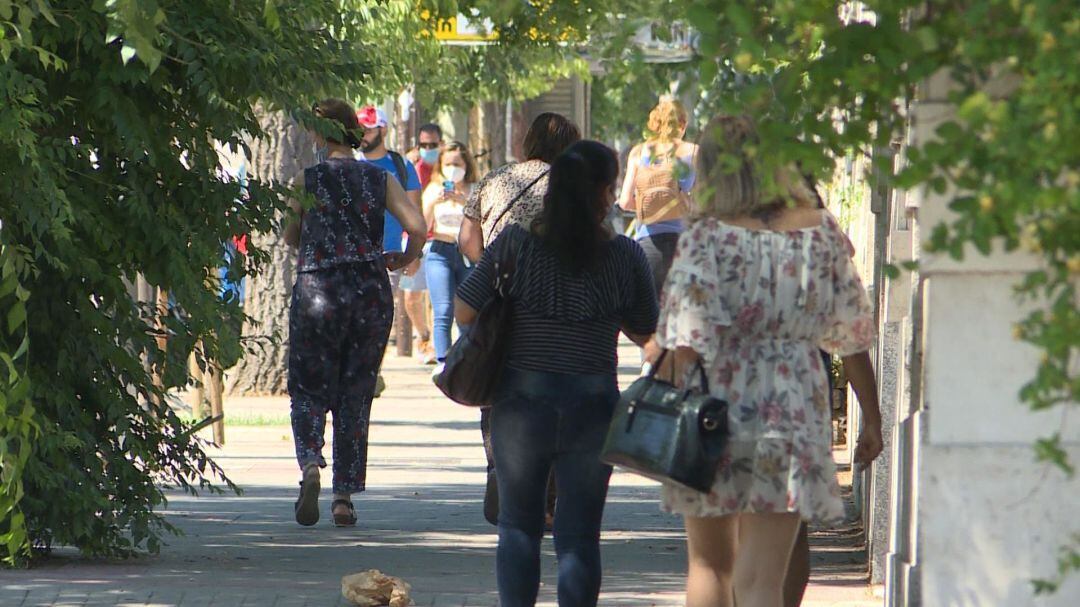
514,200
506,266
660,361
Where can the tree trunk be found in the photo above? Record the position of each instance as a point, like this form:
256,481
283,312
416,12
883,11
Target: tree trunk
286,148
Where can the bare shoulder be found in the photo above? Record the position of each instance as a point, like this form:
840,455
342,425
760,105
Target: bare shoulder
687,148
799,218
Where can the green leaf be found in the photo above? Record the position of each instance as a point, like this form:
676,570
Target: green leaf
127,53
13,373
1043,587
16,317
44,11
740,18
1051,451
270,14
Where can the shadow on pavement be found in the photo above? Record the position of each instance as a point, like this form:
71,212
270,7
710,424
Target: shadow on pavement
248,550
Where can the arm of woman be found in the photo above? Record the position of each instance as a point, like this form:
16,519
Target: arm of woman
675,365
860,373
408,213
850,333
687,180
477,289
626,197
430,198
291,232
471,239
464,314
471,234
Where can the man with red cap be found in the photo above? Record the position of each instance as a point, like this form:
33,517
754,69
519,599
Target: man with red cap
373,149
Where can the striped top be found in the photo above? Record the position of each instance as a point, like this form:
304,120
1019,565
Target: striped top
567,322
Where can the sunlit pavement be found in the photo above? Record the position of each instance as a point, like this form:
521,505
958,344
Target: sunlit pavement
420,520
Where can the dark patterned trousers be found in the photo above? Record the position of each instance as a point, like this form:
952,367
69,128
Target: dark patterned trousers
339,324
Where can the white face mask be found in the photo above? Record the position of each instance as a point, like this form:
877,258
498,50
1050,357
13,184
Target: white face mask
453,173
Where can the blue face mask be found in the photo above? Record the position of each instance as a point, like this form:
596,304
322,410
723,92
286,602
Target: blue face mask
429,156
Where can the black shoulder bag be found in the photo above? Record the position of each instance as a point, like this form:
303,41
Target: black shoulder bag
673,435
474,364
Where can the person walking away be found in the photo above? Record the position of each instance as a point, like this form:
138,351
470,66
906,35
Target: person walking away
414,284
373,149
512,195
444,205
341,311
659,174
574,287
757,286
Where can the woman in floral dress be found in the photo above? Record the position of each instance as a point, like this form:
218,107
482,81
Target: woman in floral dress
757,286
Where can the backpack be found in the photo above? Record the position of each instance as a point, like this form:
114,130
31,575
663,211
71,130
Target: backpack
400,168
656,189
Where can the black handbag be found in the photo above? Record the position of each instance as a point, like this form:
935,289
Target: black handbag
474,363
673,435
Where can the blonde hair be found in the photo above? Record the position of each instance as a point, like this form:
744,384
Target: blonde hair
667,120
728,180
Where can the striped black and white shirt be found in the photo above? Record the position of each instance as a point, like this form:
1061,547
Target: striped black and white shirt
563,321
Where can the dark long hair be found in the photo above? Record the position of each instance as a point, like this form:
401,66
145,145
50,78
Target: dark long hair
572,222
341,112
548,136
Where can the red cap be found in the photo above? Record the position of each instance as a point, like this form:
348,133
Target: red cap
371,117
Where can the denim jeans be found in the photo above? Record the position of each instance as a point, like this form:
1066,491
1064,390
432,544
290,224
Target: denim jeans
446,269
541,420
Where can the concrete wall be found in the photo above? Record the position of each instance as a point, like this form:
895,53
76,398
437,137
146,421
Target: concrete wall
989,518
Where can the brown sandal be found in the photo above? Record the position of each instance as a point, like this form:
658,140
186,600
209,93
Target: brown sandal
306,507
343,520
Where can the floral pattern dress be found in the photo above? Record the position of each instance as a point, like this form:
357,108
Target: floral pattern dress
757,305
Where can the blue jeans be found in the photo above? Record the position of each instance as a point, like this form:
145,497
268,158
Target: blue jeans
446,270
540,420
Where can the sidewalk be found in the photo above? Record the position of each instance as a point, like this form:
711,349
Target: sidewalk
420,520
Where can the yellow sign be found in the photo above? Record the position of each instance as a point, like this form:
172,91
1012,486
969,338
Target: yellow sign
461,29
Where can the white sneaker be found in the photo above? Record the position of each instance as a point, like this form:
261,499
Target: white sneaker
437,371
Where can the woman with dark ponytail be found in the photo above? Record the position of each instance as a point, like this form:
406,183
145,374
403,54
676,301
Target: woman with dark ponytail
574,287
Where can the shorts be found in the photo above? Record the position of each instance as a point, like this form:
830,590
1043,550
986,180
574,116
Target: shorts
416,282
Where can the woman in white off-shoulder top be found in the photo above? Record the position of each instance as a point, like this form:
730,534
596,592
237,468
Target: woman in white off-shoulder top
757,286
